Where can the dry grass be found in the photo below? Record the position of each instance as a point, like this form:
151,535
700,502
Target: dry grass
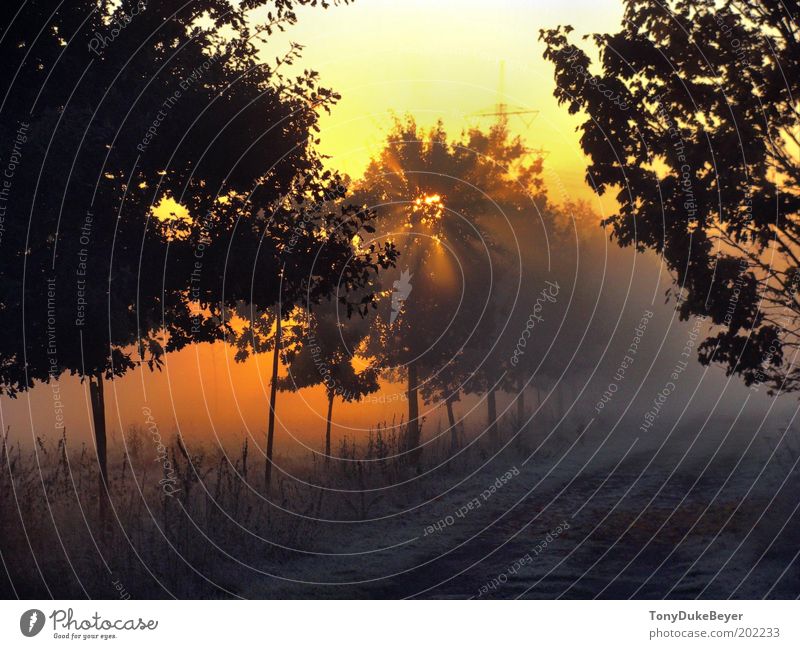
189,516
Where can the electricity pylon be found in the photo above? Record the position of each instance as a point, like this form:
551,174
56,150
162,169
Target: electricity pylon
502,111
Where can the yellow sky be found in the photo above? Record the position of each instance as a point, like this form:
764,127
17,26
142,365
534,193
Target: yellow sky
441,59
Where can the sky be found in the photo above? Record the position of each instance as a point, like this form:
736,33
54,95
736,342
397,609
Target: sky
435,59
442,59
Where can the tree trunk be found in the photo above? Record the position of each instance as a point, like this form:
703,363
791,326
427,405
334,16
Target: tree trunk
331,397
97,397
520,402
273,395
452,421
491,403
412,443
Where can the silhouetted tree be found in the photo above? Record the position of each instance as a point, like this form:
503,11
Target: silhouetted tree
692,119
111,109
309,242
328,345
550,347
452,207
445,387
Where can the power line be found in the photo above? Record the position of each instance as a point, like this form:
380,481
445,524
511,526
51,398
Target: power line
502,111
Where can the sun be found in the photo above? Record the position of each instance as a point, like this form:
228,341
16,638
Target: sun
426,210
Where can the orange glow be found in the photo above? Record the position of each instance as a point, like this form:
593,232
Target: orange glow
429,208
429,199
403,61
415,66
168,209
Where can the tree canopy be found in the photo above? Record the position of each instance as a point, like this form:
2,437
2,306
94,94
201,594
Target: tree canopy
691,118
160,174
470,221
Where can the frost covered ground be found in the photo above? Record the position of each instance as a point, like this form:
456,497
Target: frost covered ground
693,512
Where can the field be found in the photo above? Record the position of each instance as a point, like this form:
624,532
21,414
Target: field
529,516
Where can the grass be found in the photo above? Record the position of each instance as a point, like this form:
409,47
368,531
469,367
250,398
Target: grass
182,518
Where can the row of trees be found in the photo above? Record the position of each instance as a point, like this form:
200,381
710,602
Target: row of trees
692,119
474,303
116,110
165,189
